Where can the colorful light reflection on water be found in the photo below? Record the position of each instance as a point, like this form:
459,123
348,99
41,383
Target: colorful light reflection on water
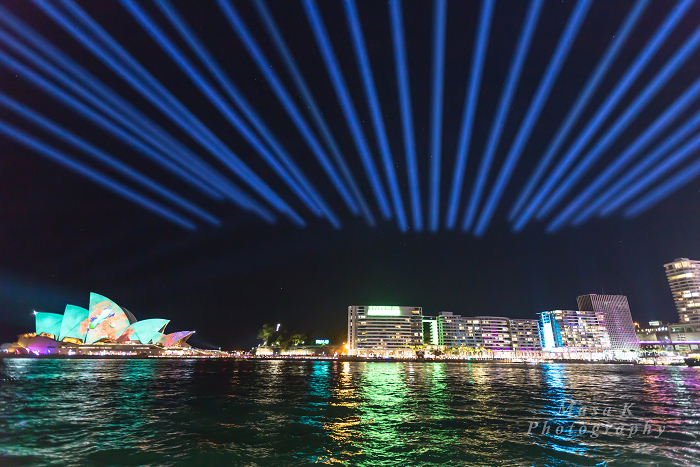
276,413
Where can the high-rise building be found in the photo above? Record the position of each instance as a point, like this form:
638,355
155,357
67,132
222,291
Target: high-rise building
394,330
618,321
574,331
452,329
488,332
495,332
684,279
524,334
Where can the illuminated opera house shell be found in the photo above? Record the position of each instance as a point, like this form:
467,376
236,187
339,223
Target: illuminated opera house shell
105,321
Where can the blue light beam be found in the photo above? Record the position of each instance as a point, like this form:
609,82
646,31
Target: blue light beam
285,99
237,97
659,125
404,89
106,159
341,90
95,118
533,113
176,111
470,103
630,76
217,100
439,18
516,66
94,92
195,179
672,184
612,199
375,110
592,84
616,195
97,177
634,109
236,195
310,102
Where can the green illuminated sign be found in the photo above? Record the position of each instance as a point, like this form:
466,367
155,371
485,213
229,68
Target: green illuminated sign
384,311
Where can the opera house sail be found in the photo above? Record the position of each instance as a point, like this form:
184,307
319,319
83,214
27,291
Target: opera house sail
103,329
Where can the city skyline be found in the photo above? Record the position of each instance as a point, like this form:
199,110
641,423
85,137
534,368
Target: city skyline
69,234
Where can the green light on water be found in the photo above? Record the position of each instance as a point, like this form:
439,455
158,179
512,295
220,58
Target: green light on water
384,311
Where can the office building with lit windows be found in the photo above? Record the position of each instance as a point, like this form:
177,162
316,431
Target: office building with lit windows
684,279
524,334
452,329
618,322
495,332
574,331
384,330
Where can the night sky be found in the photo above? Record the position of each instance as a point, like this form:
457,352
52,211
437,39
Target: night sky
63,236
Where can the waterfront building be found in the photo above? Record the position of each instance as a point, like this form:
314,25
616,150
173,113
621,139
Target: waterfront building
384,330
103,329
525,334
683,277
660,339
495,332
574,331
618,322
451,329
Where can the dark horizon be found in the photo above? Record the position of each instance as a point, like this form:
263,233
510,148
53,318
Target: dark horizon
64,236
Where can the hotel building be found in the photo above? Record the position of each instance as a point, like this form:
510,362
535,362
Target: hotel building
618,322
384,330
684,279
485,332
524,334
495,332
574,331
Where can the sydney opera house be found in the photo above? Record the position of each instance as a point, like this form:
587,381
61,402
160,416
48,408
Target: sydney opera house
103,330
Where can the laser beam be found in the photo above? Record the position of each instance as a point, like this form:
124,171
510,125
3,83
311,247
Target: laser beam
655,85
630,76
181,171
659,125
217,100
533,113
310,102
95,118
470,103
671,184
237,97
176,111
597,76
616,195
403,86
439,16
173,112
94,92
355,27
263,65
97,177
341,90
106,159
516,66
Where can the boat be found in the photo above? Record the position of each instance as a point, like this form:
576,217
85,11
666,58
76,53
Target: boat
693,360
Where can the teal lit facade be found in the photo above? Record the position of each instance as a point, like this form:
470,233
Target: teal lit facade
48,323
73,316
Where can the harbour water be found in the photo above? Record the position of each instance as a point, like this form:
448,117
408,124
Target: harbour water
287,413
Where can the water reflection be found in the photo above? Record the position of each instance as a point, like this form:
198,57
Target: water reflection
275,413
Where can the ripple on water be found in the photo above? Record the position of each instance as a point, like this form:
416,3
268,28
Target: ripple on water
274,413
